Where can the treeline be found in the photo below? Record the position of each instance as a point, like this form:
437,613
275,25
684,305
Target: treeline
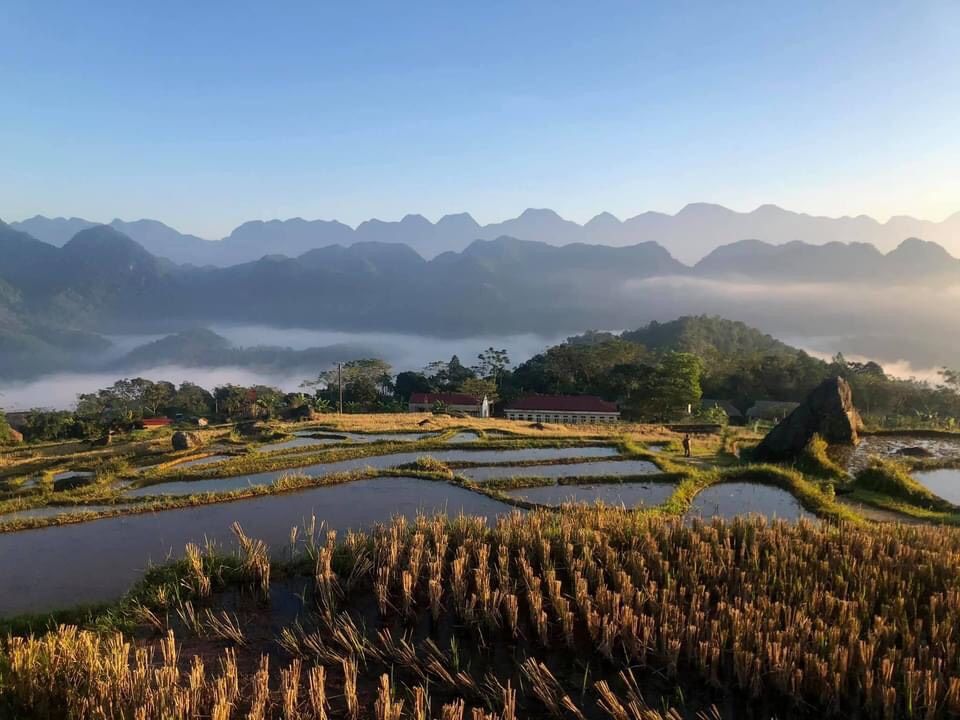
658,373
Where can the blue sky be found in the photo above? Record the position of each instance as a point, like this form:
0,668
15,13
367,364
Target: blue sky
205,114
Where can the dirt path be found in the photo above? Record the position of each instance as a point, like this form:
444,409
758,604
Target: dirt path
878,514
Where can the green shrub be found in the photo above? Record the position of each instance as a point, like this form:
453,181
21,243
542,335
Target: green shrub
893,479
815,461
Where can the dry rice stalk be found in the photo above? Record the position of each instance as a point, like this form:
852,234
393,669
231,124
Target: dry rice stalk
317,692
350,687
385,707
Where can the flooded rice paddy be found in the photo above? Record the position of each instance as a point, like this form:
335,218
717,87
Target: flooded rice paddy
464,437
97,561
55,510
895,446
729,500
378,462
945,483
630,495
603,468
199,462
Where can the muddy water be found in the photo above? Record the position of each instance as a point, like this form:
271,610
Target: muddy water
888,446
945,483
731,499
604,468
97,561
379,462
630,495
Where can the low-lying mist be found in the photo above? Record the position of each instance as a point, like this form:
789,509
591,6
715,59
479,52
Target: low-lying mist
911,331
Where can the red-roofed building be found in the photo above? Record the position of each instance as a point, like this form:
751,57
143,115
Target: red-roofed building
567,409
453,402
154,423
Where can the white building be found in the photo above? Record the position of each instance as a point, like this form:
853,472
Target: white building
452,402
564,409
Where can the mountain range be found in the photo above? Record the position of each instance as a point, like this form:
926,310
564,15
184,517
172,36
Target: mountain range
58,302
689,235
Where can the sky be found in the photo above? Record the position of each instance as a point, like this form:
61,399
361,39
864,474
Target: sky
208,114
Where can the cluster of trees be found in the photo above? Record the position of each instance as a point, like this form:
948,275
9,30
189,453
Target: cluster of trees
655,373
127,402
6,435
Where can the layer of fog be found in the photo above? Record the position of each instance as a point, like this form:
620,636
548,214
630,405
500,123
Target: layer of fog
403,352
911,331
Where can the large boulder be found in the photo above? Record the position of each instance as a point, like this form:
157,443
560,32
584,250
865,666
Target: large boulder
186,440
828,412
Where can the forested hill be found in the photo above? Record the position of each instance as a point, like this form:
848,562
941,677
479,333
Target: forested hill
707,336
734,362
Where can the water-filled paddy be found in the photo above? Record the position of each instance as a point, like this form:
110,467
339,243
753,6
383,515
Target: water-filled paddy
298,442
464,437
945,483
379,462
54,510
372,437
603,468
728,500
629,495
97,561
198,462
893,447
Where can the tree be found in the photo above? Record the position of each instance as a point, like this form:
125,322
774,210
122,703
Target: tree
951,378
408,383
50,425
156,396
233,401
492,364
448,375
479,387
192,399
5,431
670,388
366,382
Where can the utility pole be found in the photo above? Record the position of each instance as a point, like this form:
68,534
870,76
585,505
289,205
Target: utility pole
340,386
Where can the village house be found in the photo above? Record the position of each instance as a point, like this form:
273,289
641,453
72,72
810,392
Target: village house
772,410
155,423
565,409
452,402
733,414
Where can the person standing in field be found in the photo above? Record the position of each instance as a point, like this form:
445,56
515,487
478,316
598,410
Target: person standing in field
686,445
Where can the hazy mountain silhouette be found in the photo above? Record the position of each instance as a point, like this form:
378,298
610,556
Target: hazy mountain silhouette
689,235
52,299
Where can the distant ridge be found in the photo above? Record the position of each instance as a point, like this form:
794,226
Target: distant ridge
690,235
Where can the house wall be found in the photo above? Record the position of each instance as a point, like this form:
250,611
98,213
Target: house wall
566,418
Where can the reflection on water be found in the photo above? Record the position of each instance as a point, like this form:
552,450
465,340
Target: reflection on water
379,462
464,437
297,442
604,468
209,460
630,495
893,446
96,561
53,511
944,483
728,500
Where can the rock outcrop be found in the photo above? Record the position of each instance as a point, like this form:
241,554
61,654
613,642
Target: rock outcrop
828,412
186,440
